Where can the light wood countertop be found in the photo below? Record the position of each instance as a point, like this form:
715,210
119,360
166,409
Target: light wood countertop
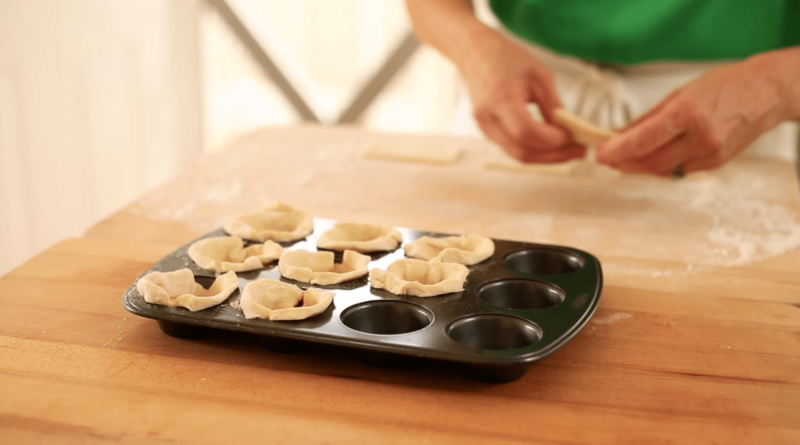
696,339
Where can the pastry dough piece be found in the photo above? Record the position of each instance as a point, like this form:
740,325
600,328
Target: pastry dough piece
420,278
578,168
425,153
319,268
179,289
226,253
466,249
277,222
360,237
583,132
556,169
275,300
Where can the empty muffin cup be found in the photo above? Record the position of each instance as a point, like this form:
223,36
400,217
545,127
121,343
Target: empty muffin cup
386,317
544,261
494,332
520,293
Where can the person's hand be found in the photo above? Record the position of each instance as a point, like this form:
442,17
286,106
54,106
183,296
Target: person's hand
502,80
707,122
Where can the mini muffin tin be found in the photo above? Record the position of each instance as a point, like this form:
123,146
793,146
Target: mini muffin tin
517,307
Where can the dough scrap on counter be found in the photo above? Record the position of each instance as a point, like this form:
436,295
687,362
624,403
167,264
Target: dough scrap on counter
360,237
179,289
226,253
276,300
276,222
583,132
576,168
512,165
319,267
420,278
425,153
465,249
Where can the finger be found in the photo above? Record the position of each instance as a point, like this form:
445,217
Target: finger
666,158
526,132
648,136
708,161
572,151
660,163
494,131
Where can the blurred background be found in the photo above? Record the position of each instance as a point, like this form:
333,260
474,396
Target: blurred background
102,100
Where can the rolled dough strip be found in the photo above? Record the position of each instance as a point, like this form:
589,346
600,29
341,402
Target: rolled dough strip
559,169
412,152
583,132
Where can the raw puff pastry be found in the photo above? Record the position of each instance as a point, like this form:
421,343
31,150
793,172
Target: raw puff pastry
466,249
360,237
420,278
319,267
275,300
277,222
426,153
179,289
226,253
583,132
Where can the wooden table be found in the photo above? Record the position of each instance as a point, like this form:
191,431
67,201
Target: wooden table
696,340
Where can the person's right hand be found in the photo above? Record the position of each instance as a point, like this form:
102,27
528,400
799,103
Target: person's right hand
503,78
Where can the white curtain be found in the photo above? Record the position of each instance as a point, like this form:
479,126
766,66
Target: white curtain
99,100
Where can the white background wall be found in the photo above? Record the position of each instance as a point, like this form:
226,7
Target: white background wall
100,100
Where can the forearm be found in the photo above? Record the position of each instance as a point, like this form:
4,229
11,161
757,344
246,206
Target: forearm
502,79
451,27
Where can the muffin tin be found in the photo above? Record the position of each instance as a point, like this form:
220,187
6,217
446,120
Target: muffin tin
517,307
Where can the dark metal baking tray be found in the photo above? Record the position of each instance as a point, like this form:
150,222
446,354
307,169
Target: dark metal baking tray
517,307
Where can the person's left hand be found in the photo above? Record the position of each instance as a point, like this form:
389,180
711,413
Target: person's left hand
705,123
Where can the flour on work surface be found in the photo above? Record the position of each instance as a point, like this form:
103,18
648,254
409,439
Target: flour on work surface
637,225
743,226
611,319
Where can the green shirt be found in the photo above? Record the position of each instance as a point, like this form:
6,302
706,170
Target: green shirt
636,31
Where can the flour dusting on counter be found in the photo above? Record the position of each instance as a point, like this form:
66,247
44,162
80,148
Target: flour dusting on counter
742,227
611,319
636,225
